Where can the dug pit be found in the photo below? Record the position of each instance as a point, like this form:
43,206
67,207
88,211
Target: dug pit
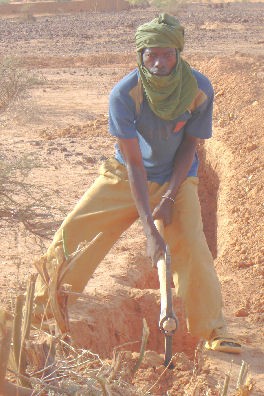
104,319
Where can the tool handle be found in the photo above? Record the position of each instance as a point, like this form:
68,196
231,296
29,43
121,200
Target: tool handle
161,266
168,321
160,226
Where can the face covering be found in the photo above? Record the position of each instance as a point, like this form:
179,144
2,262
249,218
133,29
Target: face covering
168,96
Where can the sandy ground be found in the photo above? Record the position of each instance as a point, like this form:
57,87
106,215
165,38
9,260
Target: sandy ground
62,128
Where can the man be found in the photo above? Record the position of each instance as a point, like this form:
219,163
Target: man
158,112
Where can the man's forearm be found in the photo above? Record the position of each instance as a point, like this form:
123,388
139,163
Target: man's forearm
183,162
138,183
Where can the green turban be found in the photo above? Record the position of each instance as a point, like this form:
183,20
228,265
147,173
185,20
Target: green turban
163,31
168,96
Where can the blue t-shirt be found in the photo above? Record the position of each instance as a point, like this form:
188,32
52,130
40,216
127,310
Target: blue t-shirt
131,117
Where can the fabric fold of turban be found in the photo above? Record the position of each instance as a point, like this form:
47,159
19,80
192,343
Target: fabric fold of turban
163,31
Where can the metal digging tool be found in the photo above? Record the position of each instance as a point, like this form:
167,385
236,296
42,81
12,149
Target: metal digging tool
168,323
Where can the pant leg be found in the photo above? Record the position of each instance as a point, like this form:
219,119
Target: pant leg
193,270
107,208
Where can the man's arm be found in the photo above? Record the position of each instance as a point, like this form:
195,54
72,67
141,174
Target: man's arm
138,183
182,164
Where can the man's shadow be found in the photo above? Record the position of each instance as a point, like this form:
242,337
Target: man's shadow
208,191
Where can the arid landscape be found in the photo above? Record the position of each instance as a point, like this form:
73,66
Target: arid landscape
60,133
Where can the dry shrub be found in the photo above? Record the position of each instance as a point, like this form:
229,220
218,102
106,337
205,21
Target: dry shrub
139,3
16,82
166,5
171,6
22,202
26,13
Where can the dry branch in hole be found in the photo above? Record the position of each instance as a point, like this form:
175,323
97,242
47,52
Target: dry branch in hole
69,370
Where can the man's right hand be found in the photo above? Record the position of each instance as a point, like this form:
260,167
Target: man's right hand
156,247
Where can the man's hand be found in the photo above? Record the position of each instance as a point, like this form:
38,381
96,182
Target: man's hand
156,247
164,211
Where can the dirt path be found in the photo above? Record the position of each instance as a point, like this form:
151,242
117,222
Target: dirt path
64,129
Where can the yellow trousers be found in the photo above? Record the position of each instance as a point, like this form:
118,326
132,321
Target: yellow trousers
108,209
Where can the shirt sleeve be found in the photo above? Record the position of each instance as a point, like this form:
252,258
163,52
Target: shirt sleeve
201,122
121,115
